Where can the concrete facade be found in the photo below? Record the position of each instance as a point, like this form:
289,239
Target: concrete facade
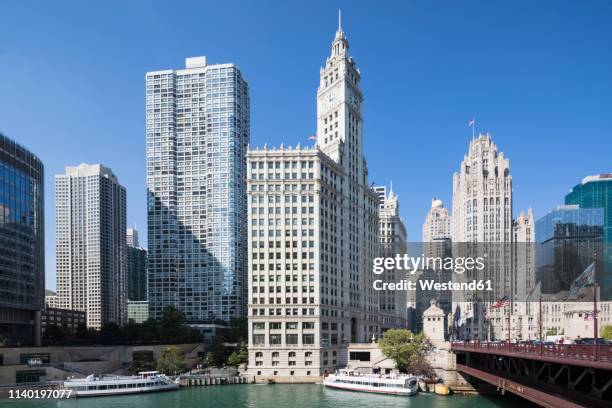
91,244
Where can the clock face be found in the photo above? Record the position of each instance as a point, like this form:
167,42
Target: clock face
330,99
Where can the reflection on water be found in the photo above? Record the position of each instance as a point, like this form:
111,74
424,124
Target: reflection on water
276,396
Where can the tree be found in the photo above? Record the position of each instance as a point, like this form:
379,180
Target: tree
210,359
606,332
54,335
238,356
111,333
406,349
219,352
239,329
170,361
171,323
81,331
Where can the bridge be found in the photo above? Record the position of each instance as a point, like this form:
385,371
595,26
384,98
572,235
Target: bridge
556,376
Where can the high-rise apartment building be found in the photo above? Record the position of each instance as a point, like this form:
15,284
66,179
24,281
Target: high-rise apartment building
393,237
90,211
131,238
22,265
136,268
197,137
313,235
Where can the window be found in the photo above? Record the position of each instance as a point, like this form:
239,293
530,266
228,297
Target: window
275,339
275,326
292,339
308,325
307,338
259,325
259,339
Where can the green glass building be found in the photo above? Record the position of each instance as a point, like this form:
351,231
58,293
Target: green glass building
596,192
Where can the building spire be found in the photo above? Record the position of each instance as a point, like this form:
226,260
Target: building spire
340,43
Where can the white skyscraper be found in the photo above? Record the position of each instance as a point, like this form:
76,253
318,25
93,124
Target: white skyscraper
436,230
197,137
132,237
314,233
91,244
482,214
482,195
392,235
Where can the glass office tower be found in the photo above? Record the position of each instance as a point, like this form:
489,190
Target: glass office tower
197,136
596,192
568,239
22,271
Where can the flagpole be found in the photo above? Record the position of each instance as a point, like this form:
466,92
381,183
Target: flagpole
540,322
509,337
595,317
473,314
595,334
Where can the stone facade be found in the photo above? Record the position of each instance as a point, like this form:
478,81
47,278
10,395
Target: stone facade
313,234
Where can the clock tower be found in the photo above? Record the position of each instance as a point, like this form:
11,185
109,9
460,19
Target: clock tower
339,100
340,137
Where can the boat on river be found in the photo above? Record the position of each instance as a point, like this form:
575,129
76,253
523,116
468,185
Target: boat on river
394,384
145,381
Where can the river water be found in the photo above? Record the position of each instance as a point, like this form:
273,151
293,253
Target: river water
274,396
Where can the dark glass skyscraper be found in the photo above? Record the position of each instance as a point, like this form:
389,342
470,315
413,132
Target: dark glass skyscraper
136,268
22,270
567,238
596,192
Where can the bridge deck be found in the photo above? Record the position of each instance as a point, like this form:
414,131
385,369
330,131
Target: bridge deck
574,354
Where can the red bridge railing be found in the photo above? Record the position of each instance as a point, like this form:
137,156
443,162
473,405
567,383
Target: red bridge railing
581,352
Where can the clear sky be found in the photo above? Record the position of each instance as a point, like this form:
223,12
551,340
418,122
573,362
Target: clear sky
536,74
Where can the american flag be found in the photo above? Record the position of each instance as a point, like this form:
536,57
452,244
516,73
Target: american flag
503,302
586,278
312,137
472,122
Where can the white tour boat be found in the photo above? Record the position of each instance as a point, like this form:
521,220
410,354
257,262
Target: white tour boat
405,385
145,381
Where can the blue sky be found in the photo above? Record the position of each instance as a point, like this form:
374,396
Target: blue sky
537,75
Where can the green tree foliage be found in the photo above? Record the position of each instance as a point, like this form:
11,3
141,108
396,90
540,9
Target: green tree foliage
606,332
53,334
170,328
407,349
210,359
238,356
170,362
239,330
219,352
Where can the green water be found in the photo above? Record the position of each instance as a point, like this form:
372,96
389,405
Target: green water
275,396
